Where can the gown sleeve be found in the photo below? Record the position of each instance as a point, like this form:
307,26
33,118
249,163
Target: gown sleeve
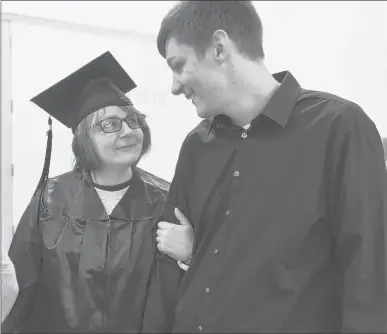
162,295
163,287
9,287
25,253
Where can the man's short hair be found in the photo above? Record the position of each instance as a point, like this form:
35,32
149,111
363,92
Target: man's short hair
194,22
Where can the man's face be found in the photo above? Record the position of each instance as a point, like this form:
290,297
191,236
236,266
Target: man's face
201,79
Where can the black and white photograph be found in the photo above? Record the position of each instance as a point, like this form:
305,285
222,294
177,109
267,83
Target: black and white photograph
193,167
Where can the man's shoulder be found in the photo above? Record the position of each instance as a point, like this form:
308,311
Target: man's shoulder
343,115
335,102
330,105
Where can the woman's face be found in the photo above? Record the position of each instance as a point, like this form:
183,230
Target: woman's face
122,147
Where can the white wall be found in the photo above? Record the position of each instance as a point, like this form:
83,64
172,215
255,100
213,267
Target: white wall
137,16
6,209
340,47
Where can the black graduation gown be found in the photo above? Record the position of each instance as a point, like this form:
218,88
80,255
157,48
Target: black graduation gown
80,270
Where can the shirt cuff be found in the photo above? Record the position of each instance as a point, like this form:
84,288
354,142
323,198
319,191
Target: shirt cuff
183,265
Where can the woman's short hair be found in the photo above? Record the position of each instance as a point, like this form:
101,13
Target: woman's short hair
83,148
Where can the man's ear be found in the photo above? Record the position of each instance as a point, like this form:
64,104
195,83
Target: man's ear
221,45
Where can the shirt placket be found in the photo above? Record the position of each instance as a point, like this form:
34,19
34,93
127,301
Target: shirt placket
214,257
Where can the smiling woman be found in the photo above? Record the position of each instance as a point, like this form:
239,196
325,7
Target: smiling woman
84,249
52,61
110,138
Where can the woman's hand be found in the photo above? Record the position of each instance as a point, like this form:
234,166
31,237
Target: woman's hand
176,240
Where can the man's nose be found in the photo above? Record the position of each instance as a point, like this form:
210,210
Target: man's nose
176,87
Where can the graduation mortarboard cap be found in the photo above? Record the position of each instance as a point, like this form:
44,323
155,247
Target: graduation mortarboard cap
98,84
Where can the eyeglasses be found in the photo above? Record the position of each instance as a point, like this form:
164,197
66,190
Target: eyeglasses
114,124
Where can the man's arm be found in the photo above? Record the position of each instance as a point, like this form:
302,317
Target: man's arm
175,234
162,295
358,202
179,189
166,274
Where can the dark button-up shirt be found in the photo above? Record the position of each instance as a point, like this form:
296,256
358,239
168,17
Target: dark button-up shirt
289,217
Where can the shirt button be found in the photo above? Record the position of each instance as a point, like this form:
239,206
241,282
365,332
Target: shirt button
216,251
207,290
244,135
200,328
236,173
228,212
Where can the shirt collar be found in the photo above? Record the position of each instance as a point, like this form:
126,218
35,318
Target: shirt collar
280,105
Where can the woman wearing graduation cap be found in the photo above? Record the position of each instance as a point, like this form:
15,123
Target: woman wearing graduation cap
84,249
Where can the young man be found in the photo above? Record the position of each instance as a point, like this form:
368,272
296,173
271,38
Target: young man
286,189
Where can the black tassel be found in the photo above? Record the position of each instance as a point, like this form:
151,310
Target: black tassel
47,159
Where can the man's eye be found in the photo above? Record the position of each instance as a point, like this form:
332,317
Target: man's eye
177,66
